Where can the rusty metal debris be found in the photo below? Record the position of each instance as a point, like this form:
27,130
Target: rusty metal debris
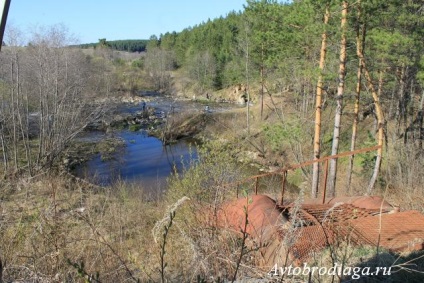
358,220
292,231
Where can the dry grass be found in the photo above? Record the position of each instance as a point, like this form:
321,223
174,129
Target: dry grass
51,223
56,230
53,229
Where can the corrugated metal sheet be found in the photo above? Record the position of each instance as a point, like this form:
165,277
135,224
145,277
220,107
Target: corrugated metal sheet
325,224
297,232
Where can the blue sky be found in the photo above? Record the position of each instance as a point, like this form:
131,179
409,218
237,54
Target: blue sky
90,20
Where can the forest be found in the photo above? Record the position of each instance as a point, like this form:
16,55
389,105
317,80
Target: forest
129,45
362,59
302,80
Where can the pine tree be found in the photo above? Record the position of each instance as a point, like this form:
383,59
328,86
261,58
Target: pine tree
339,101
318,105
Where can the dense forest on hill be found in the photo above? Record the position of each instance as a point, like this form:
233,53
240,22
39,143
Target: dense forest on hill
129,45
285,39
359,59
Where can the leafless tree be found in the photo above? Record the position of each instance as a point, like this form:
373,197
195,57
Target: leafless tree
158,64
203,70
46,93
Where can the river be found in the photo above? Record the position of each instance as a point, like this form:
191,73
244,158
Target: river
144,160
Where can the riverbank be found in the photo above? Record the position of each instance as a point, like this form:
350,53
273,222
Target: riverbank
144,141
171,125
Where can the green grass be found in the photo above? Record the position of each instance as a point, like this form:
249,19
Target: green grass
134,127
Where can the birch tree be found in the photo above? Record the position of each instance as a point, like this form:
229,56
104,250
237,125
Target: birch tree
48,97
159,63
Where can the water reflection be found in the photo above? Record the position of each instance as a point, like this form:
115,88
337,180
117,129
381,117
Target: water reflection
144,160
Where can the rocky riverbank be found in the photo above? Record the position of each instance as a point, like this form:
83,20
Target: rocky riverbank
161,117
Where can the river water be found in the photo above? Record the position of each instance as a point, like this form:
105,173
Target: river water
144,160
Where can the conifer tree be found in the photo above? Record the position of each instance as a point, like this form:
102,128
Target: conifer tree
318,105
339,101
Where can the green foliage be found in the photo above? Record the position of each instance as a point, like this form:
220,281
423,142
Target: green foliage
266,19
420,74
282,134
139,63
119,62
393,45
217,37
284,39
203,70
215,166
134,127
129,45
103,43
368,158
153,43
233,73
168,40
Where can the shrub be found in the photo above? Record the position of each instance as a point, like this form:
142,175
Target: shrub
205,179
